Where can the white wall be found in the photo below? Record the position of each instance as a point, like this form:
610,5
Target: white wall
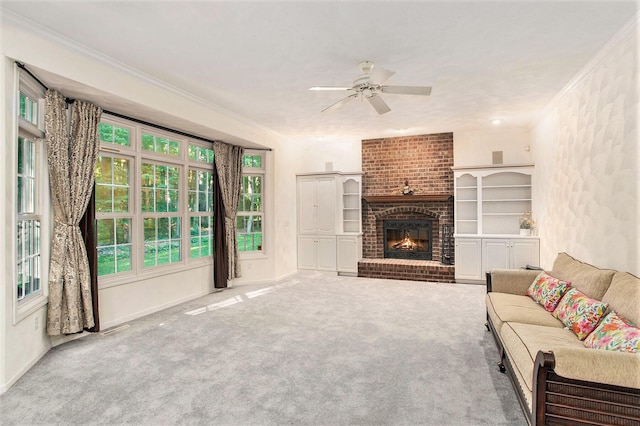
21,345
586,153
475,147
343,154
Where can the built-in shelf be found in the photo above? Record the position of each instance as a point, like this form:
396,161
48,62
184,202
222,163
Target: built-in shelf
490,200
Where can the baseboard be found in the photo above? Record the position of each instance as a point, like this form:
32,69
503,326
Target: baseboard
266,281
140,314
5,386
59,340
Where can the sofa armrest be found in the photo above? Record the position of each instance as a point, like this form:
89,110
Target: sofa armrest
512,281
571,384
597,365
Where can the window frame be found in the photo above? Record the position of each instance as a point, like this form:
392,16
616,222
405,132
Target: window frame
137,157
122,215
262,172
25,84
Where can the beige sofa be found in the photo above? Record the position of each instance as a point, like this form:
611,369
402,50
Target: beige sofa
558,380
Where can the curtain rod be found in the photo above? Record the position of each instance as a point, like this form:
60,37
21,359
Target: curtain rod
126,117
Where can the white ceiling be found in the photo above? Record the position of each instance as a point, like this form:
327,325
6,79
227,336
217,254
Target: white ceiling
484,59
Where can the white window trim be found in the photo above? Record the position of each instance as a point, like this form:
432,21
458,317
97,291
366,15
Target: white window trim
264,253
24,83
137,156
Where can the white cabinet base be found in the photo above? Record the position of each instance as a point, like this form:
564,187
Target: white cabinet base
468,259
349,253
317,252
477,256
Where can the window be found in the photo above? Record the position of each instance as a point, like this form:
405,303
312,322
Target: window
160,195
114,219
250,208
200,201
29,198
28,221
201,212
154,201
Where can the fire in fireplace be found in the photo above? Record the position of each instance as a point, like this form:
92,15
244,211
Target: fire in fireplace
407,239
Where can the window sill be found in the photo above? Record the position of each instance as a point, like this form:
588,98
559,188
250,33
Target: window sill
248,255
147,275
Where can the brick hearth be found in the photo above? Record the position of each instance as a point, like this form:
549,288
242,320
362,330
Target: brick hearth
425,161
404,269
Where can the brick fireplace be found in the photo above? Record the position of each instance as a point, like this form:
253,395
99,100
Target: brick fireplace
424,162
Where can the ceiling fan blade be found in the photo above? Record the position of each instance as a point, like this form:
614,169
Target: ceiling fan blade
319,88
407,90
340,103
379,105
380,75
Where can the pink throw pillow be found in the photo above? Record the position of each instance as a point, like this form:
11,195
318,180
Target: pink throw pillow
547,290
579,313
615,334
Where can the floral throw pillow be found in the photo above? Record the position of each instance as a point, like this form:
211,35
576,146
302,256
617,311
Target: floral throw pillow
580,313
547,290
615,334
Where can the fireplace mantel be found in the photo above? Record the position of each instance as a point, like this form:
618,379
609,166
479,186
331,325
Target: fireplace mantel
406,198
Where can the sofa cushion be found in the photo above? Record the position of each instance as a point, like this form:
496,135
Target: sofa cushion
580,313
547,290
615,333
623,295
590,280
523,341
503,307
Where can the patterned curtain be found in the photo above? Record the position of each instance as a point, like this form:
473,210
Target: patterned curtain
71,155
220,254
228,159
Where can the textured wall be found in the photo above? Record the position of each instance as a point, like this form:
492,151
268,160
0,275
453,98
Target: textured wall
586,162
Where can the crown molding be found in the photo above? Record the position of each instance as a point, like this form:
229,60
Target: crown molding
10,17
630,29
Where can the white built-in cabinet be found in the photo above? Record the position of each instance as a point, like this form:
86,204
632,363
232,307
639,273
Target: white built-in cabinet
502,253
469,251
349,250
329,221
488,204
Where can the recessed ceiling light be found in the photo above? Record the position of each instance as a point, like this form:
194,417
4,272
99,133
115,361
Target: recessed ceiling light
403,131
496,121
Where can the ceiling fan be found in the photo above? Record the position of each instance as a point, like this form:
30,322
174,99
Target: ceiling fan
369,86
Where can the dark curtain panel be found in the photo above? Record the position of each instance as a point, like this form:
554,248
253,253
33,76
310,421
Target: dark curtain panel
87,228
220,252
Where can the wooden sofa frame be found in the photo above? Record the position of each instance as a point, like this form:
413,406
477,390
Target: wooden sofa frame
560,400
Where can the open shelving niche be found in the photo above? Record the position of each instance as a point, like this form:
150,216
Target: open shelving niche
490,200
351,206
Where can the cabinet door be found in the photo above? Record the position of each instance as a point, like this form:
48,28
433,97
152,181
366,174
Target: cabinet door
525,252
348,253
326,205
306,206
326,257
495,254
307,252
468,259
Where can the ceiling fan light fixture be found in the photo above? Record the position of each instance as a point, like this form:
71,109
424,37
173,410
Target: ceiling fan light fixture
366,66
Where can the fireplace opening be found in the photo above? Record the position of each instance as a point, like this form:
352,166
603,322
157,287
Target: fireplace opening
407,239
